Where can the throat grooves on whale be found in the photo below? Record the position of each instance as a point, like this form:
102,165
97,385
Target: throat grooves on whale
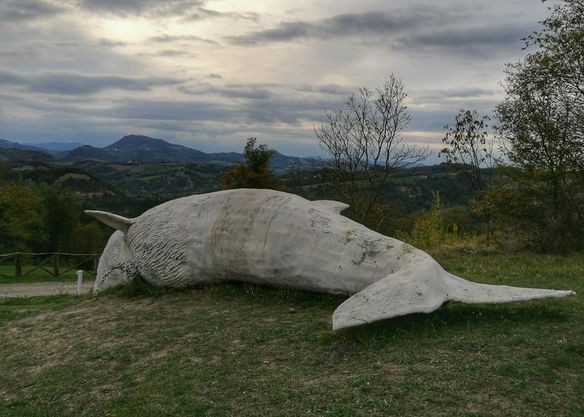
162,258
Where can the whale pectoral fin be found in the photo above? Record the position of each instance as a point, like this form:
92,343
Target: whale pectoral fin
334,206
112,220
398,294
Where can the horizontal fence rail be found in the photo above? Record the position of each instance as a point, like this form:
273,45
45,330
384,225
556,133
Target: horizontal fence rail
52,263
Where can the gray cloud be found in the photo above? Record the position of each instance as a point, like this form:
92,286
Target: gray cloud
263,91
206,118
64,43
333,89
276,103
428,114
257,85
160,110
180,38
272,109
65,82
466,40
434,117
371,23
189,10
22,51
415,30
15,11
431,119
142,7
247,92
170,53
452,93
37,48
112,43
203,13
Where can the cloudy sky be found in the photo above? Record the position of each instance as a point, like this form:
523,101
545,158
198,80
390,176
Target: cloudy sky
210,73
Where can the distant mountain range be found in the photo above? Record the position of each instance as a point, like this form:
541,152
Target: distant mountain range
6,144
144,149
55,146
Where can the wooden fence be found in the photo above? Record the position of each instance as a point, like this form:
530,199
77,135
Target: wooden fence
53,263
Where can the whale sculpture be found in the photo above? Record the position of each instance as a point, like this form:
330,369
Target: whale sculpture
275,238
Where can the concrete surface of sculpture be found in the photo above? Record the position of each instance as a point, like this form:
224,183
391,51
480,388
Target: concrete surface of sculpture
275,238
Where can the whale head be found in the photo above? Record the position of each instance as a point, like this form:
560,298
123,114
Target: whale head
116,266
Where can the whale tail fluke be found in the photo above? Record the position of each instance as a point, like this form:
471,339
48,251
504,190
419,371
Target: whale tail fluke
112,220
471,292
424,289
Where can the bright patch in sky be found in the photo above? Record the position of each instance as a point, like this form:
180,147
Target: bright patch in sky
126,30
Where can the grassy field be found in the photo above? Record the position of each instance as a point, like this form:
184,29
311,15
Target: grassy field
241,350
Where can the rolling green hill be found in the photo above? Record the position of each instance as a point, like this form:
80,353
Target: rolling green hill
165,180
21,155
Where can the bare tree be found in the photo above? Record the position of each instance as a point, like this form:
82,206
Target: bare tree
364,140
468,143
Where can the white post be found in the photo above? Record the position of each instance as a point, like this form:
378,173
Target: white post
79,282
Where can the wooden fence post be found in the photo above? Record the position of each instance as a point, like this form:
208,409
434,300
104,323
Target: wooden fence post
56,265
79,282
17,265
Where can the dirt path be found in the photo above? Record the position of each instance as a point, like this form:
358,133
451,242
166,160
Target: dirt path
35,289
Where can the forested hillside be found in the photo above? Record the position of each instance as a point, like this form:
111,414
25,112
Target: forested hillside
129,189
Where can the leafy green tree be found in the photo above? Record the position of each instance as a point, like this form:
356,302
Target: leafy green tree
518,216
560,49
60,217
4,169
20,222
255,171
541,122
89,238
427,231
